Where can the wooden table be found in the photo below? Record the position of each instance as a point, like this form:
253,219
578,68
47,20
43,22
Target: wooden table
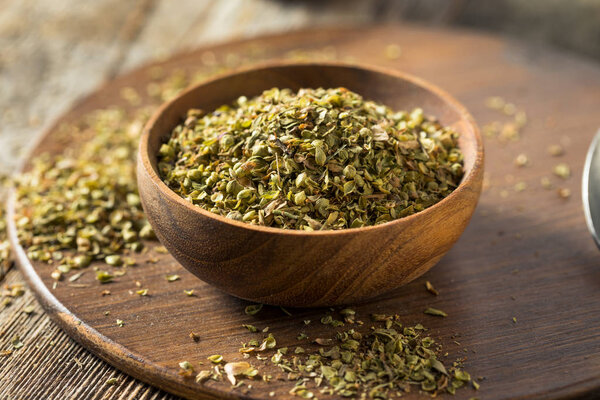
54,367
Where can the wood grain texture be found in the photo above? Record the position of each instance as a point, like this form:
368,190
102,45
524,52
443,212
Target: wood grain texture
532,245
298,268
57,367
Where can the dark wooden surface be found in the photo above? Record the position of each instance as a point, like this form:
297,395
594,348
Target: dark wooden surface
298,268
525,254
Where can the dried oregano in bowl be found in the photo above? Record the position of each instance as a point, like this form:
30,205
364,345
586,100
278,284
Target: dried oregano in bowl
314,159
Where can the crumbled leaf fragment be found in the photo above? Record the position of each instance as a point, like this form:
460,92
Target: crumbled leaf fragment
522,160
301,391
56,275
215,358
14,290
161,249
236,369
555,150
251,328
203,376
520,186
104,276
435,312
16,342
76,276
562,170
268,343
431,289
379,317
186,368
114,260
462,375
6,302
438,366
111,381
253,309
564,193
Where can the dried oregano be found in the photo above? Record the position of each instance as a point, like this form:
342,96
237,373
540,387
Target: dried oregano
315,159
85,202
383,361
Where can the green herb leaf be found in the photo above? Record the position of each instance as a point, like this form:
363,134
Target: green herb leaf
435,312
104,277
253,309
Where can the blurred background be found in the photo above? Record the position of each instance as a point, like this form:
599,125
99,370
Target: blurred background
54,52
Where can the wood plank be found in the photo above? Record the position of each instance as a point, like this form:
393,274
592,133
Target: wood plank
51,365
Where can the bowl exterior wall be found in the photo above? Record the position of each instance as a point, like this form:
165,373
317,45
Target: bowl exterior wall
297,270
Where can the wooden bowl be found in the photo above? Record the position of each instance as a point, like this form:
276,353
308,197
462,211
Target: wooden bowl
299,268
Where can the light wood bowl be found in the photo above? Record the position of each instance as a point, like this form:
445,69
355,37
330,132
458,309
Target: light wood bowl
299,268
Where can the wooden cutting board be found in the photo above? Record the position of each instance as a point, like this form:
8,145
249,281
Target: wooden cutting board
525,255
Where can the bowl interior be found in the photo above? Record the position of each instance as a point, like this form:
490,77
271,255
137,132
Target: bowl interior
394,89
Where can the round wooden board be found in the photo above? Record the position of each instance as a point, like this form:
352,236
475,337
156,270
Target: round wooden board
525,254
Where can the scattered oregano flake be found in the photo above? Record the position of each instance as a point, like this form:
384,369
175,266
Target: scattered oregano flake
104,276
253,309
562,170
111,381
251,328
16,342
235,369
186,368
431,289
435,312
215,359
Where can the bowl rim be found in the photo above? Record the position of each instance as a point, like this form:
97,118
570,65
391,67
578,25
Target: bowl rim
465,185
